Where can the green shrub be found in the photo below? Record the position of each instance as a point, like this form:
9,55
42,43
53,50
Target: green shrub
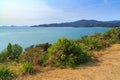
32,54
27,68
100,41
16,51
118,34
66,53
112,35
6,73
11,53
93,42
43,58
3,56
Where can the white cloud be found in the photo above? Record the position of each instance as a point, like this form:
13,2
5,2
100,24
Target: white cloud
19,12
15,12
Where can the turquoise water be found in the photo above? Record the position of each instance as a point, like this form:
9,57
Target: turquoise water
26,36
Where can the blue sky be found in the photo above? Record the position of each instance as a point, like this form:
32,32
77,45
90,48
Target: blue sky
30,12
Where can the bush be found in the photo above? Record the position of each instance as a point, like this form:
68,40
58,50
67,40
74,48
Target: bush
11,53
112,35
16,51
27,68
3,56
32,54
43,58
6,74
94,42
66,53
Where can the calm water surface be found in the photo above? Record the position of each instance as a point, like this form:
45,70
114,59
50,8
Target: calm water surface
26,36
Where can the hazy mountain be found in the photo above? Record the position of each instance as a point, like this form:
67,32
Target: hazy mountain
83,23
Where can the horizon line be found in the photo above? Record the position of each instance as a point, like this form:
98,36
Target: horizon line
26,25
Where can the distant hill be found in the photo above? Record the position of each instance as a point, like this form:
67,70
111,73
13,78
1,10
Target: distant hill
83,23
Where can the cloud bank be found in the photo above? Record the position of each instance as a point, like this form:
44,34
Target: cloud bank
15,12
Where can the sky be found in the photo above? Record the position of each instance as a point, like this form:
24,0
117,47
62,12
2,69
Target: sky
34,12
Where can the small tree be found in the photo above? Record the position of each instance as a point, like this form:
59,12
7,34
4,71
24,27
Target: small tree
10,53
16,51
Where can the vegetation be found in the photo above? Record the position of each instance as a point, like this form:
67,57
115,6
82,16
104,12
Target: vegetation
11,53
27,68
32,54
6,73
64,53
112,35
94,42
67,53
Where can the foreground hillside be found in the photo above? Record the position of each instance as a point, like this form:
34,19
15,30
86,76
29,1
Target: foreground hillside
107,67
64,59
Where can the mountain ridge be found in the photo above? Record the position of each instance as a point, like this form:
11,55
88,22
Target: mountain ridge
83,23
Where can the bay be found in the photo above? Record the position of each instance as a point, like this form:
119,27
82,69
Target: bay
26,36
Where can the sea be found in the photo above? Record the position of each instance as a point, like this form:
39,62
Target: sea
27,36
